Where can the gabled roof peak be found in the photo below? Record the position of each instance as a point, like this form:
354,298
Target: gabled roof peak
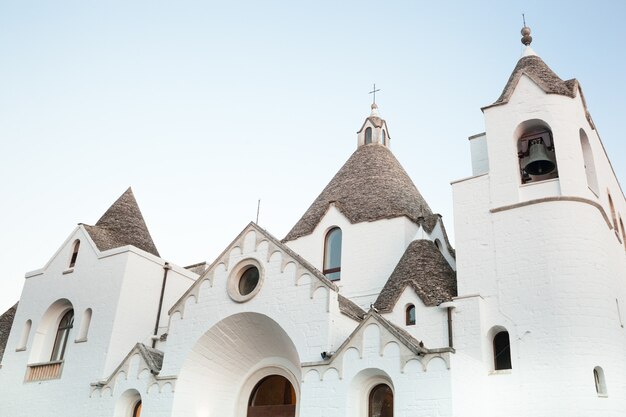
122,224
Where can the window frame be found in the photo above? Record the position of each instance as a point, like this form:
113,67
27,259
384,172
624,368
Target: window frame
74,257
368,137
410,321
329,270
498,365
62,336
370,397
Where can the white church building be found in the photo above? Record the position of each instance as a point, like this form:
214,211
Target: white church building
364,309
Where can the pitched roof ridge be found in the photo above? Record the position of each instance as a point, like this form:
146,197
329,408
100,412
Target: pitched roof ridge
371,185
122,224
424,268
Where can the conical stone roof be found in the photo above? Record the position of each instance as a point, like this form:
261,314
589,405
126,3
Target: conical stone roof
371,185
424,268
122,225
538,71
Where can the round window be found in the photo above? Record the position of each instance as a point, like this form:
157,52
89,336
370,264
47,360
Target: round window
249,280
245,280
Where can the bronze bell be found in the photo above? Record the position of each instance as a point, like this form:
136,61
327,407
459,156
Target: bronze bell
538,162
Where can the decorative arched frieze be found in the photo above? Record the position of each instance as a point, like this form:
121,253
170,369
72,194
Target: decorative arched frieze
257,244
140,364
355,349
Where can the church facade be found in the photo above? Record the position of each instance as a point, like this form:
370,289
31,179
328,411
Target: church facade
364,309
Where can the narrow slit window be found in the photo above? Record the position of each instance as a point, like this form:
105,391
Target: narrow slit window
501,351
384,137
74,254
410,315
332,254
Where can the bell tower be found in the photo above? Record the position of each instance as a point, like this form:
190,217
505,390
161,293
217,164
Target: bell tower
539,255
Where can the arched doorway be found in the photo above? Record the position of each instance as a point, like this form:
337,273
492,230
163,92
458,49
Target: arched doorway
226,364
273,396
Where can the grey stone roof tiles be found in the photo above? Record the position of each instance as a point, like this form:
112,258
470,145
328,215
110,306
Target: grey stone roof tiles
153,357
122,225
371,185
350,309
424,268
6,322
534,67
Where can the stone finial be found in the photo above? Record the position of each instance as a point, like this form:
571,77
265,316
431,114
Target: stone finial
374,110
526,38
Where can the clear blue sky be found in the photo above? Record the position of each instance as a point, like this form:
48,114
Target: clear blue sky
204,107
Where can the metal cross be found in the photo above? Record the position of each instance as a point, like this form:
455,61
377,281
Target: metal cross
374,93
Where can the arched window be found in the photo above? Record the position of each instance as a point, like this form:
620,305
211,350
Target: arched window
332,254
368,135
600,382
63,334
410,315
438,244
590,166
381,401
137,409
272,396
501,351
535,151
384,137
74,253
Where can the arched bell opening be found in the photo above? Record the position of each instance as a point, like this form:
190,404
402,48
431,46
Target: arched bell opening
536,152
225,368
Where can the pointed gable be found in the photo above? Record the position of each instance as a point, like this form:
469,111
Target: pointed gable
424,268
534,68
372,185
122,225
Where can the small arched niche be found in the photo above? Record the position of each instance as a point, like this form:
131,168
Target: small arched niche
535,152
590,165
85,322
600,381
25,334
613,214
